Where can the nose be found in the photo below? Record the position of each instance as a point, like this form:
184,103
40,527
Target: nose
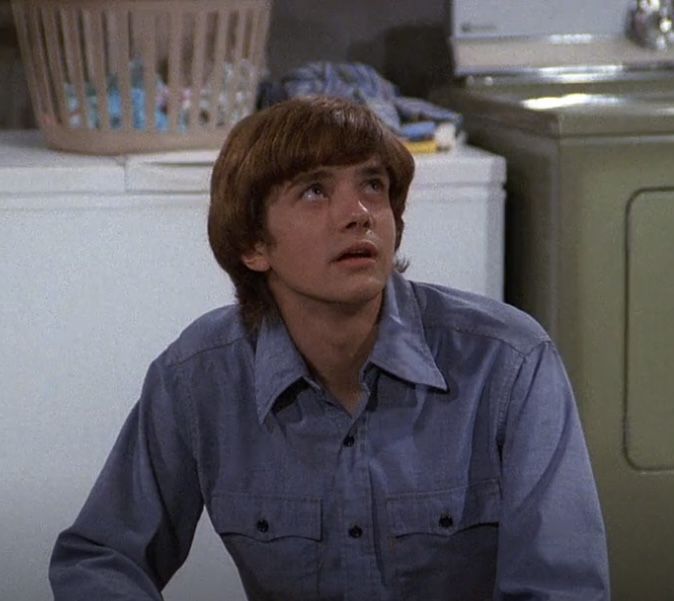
360,217
355,214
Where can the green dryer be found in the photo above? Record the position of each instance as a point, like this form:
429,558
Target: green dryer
590,254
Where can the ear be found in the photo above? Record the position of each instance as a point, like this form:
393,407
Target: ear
256,258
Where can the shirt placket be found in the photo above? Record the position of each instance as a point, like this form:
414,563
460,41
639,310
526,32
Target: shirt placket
357,517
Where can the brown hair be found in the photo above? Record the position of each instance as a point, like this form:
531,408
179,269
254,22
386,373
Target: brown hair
274,145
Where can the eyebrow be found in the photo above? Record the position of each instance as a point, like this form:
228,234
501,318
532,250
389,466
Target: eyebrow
373,169
306,177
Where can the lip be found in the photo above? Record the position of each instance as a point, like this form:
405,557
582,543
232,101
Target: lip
364,250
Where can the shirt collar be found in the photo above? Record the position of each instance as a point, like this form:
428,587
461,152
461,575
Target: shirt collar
401,349
278,364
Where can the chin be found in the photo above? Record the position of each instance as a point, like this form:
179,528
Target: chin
361,294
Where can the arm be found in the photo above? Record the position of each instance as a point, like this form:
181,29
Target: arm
551,538
137,525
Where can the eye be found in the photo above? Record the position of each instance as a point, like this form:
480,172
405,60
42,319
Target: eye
377,184
314,191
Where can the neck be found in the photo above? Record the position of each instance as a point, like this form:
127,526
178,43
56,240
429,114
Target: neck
335,341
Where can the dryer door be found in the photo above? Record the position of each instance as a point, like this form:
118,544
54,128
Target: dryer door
649,410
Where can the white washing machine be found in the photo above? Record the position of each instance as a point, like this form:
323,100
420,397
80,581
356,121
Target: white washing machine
103,261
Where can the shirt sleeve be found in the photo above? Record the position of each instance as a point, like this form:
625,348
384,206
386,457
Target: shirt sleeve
137,525
552,542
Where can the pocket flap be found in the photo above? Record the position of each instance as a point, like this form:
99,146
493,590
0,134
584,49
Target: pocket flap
266,517
444,512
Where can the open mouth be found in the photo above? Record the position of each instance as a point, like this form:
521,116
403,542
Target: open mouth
359,251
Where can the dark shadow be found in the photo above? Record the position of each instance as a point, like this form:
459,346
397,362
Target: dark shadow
414,57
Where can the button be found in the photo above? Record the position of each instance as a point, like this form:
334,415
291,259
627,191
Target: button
262,525
446,521
355,532
349,441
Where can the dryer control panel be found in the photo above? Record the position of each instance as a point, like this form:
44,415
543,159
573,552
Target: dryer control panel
543,38
523,18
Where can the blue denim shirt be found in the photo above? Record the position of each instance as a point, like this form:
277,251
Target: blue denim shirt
462,476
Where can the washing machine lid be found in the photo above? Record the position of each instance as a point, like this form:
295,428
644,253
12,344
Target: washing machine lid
27,166
547,39
569,114
178,171
464,166
190,171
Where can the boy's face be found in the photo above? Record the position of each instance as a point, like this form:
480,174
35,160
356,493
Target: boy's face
332,237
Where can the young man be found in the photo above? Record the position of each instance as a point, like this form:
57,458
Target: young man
352,435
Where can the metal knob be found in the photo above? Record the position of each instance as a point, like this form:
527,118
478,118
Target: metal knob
650,23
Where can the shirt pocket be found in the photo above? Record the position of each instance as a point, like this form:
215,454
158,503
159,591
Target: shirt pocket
443,543
274,541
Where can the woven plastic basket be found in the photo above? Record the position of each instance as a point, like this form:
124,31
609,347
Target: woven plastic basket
111,77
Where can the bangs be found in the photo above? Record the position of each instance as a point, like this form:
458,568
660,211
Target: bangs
302,134
339,138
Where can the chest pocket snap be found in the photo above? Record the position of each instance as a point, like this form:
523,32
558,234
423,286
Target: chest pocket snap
444,512
274,541
267,518
445,540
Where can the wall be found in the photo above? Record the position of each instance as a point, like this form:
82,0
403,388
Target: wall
403,40
15,109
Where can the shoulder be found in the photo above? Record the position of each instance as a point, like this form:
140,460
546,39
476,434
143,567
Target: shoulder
218,330
469,314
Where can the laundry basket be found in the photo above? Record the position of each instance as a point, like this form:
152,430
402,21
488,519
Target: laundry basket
126,76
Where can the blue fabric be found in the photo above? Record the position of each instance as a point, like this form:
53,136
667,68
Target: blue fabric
114,98
360,83
462,476
418,130
243,75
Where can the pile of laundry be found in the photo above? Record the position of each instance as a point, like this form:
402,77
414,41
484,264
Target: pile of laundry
231,104
424,126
